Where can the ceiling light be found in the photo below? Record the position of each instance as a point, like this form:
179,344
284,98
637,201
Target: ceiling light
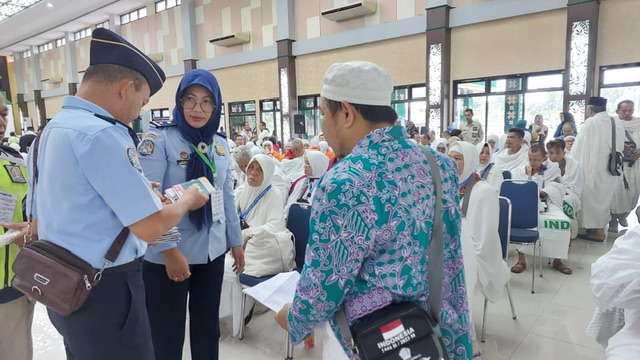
49,5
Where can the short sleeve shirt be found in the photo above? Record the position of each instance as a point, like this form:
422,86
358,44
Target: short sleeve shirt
90,184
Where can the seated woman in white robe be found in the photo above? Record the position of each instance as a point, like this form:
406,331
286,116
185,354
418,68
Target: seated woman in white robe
481,248
486,169
268,245
315,165
552,194
615,282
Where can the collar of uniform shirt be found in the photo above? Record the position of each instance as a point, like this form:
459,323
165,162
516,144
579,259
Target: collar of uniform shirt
80,103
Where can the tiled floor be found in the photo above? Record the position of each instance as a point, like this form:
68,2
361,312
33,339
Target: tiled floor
550,324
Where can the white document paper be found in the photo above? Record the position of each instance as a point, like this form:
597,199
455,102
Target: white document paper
7,207
275,292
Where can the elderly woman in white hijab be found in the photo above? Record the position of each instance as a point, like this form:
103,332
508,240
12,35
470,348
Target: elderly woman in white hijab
315,165
481,248
494,142
268,244
440,145
486,169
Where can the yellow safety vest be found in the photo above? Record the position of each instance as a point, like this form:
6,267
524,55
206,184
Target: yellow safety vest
9,252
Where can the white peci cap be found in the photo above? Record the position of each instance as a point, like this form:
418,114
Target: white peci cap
358,82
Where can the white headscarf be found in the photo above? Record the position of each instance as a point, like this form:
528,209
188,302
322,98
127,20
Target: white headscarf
314,141
438,142
470,155
249,193
496,139
480,147
323,146
319,162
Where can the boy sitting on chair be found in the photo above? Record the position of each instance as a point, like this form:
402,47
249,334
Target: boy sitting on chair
552,192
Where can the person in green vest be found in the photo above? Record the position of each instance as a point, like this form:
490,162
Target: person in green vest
16,310
13,138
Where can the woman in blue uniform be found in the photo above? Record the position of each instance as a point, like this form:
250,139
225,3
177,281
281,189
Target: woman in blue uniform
186,149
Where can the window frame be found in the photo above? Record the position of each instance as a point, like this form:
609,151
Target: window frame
522,91
140,13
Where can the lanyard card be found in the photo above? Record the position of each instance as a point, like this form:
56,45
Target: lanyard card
176,192
217,205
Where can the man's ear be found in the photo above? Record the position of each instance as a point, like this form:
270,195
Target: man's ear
349,114
124,86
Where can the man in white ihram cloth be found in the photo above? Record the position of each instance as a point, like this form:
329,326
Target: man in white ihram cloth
592,149
626,197
293,163
615,282
515,154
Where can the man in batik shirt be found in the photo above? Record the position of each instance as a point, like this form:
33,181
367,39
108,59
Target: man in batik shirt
372,216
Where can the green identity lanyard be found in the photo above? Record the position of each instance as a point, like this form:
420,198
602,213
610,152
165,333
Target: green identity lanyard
211,164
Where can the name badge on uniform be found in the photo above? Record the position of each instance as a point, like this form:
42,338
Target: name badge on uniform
15,173
217,205
184,158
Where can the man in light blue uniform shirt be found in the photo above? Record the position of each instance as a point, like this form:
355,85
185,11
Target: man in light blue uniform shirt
191,270
90,185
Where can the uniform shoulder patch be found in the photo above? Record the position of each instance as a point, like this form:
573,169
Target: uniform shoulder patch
221,134
133,159
147,146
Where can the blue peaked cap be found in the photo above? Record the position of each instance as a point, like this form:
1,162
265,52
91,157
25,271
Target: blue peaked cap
108,47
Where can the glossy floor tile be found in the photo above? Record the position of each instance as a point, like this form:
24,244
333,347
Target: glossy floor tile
550,324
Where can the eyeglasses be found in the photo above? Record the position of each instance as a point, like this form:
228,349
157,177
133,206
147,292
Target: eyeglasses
189,102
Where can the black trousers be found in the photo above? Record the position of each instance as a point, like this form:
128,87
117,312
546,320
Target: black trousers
112,324
167,307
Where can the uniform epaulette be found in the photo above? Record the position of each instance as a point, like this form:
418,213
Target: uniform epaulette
220,133
162,124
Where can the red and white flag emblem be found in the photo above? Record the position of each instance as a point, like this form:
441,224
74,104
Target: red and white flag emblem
392,329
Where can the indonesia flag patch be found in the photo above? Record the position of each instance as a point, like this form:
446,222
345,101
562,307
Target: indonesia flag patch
392,329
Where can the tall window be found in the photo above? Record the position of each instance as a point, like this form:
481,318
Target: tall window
620,82
499,103
410,102
270,114
309,106
239,113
